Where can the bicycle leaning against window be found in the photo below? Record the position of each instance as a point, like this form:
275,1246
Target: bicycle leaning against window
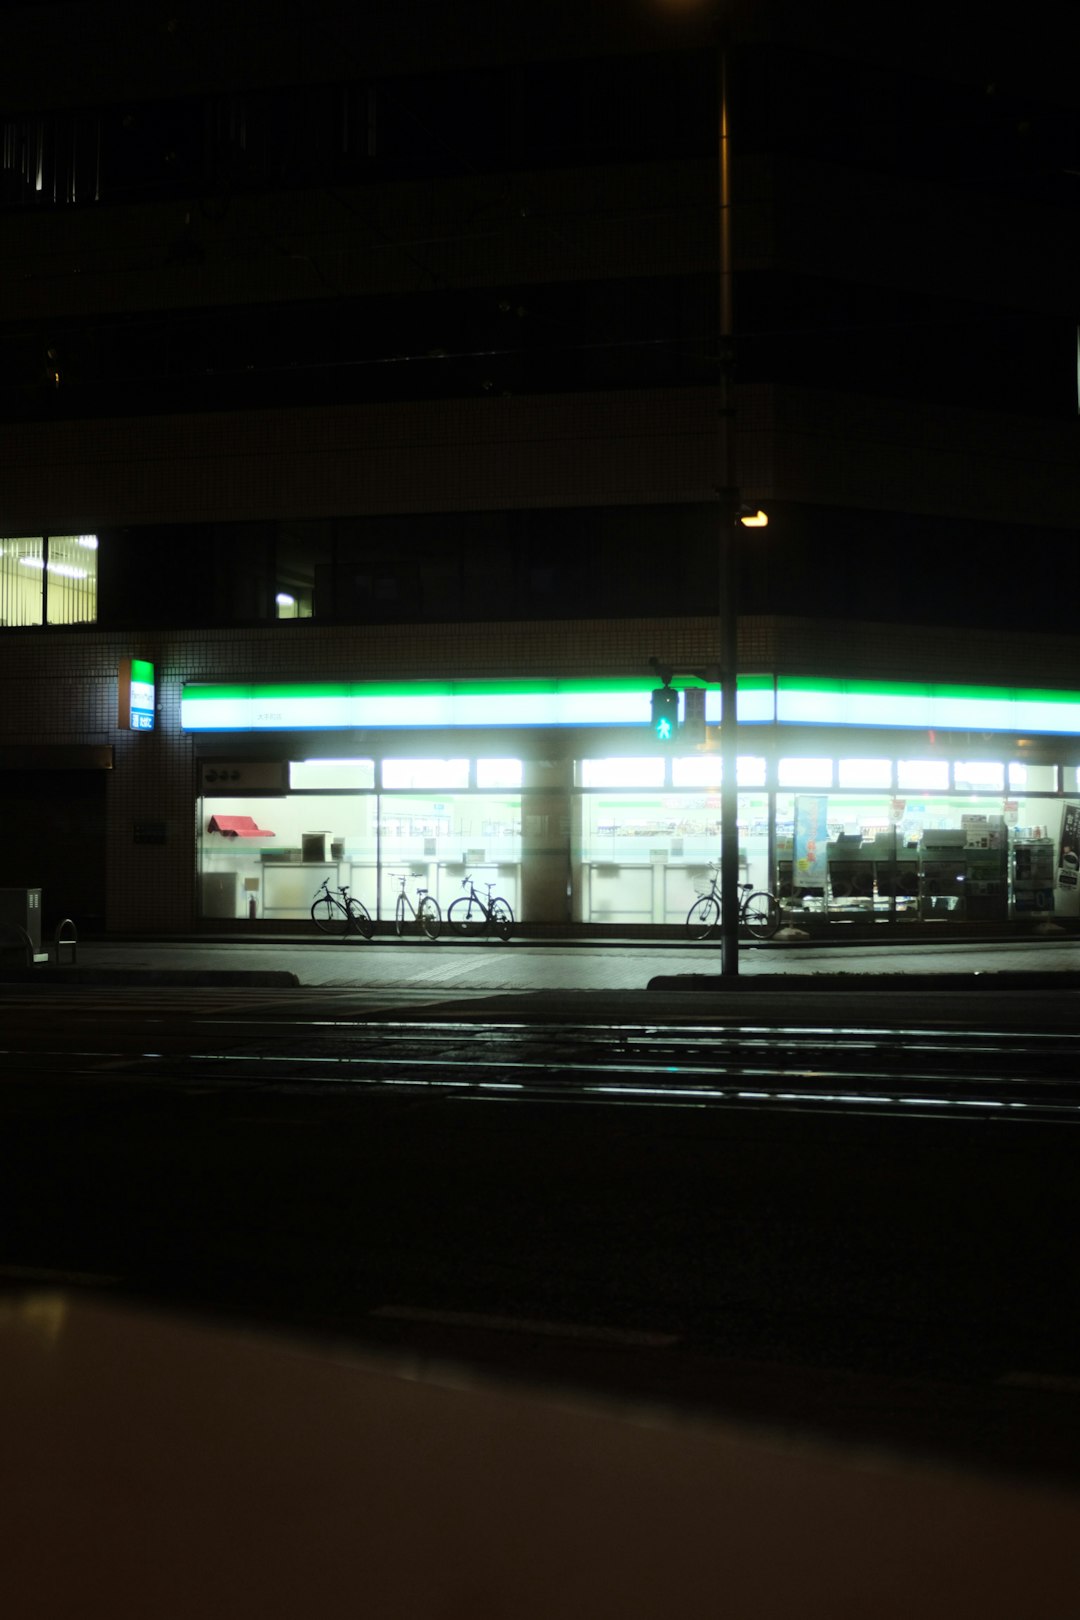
759,911
471,915
340,912
425,913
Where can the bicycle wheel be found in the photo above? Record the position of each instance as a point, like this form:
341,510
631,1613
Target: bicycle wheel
467,916
329,915
399,915
360,917
502,917
761,914
703,918
429,916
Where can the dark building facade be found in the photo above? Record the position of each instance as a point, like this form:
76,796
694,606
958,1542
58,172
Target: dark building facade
365,372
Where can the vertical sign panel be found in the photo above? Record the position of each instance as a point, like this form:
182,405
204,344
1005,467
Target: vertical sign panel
136,694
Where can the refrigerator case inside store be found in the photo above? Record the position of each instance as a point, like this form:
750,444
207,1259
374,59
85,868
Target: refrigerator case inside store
1032,875
986,855
942,872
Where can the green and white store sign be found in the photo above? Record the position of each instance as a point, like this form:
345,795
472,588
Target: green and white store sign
763,700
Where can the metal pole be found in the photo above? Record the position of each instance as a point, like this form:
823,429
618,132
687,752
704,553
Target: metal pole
729,750
729,611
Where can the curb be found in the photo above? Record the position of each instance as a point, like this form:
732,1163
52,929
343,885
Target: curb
196,978
793,983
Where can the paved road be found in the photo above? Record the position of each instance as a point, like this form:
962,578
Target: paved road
750,1258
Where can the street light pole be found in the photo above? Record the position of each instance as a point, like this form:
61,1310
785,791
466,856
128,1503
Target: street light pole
729,517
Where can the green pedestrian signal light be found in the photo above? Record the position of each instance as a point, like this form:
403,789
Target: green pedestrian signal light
665,714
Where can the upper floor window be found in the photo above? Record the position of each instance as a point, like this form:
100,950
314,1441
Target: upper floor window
48,579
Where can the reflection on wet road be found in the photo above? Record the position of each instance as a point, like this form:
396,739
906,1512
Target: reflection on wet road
1020,1076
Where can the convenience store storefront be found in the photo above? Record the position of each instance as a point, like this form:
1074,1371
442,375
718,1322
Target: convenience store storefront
860,802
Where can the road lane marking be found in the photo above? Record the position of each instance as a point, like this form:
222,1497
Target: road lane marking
446,974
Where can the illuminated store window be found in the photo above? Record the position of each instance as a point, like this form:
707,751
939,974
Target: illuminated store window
810,773
425,773
630,773
925,775
986,776
705,771
1036,778
865,773
325,775
498,773
750,771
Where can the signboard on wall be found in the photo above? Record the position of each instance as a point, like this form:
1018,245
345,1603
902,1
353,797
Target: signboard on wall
136,695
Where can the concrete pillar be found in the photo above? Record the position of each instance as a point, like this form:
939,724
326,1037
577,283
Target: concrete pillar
545,840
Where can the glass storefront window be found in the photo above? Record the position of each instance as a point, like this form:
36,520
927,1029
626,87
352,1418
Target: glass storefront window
1035,778
643,858
434,839
704,770
750,771
866,773
328,774
925,775
810,773
498,773
987,776
639,848
630,773
425,773
291,843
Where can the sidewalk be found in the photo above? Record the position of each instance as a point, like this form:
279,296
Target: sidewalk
567,965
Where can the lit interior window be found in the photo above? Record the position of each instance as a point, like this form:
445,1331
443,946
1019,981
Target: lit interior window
498,773
705,771
922,774
71,569
1035,778
816,773
750,771
865,773
603,773
330,774
425,773
985,775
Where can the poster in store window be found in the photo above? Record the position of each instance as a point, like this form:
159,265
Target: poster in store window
1069,861
811,855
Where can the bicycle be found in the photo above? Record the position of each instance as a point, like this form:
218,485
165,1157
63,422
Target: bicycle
339,916
759,911
425,913
470,915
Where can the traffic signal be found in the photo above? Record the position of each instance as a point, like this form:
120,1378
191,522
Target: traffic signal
693,721
665,714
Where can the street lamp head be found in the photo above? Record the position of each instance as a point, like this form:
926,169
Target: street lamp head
752,517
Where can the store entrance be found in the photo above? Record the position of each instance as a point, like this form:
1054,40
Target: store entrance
52,838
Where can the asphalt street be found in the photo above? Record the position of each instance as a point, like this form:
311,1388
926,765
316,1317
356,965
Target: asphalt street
166,1140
